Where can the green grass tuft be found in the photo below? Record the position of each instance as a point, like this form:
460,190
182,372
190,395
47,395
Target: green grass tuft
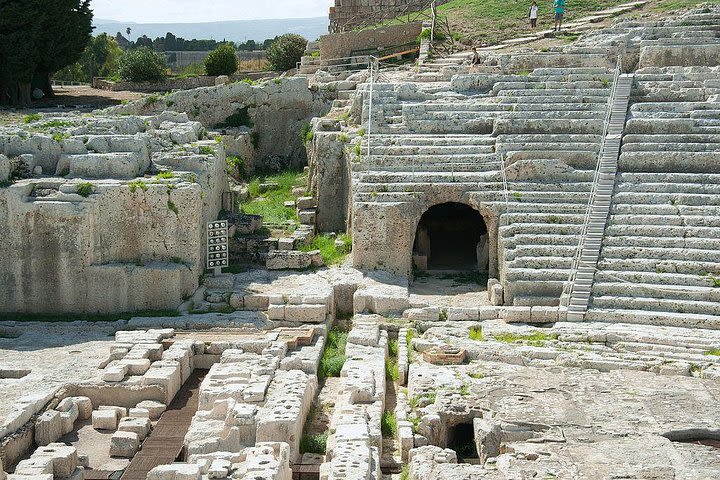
271,204
713,351
536,339
33,117
388,425
316,443
333,357
165,175
85,189
331,254
134,185
476,333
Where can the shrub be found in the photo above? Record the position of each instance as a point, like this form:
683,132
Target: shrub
141,65
222,61
285,52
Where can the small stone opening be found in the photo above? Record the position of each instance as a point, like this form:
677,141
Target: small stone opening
461,438
452,236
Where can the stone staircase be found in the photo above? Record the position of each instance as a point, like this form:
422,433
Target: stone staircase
659,258
599,208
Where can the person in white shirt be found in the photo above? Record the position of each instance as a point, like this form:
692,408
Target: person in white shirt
533,15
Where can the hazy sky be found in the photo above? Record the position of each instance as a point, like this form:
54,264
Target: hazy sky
191,11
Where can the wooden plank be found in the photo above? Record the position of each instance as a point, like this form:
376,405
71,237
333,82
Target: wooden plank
165,443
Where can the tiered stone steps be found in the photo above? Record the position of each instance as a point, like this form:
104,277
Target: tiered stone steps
660,252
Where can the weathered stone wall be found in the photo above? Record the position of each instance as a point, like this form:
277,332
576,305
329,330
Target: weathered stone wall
341,45
170,83
274,114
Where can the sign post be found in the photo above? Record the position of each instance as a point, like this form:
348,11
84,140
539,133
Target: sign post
217,246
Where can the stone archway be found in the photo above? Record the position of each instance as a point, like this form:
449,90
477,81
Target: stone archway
452,236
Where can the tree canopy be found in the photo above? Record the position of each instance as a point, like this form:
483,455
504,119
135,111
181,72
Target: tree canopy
38,38
286,51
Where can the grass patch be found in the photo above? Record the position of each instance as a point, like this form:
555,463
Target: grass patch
83,317
134,185
333,357
535,339
56,124
712,351
271,204
316,443
165,175
388,425
476,333
405,473
85,189
392,371
331,254
33,117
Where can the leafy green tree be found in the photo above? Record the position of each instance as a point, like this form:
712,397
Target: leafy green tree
222,60
66,26
98,60
38,38
286,51
141,65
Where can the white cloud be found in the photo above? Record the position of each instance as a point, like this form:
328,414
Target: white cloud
193,11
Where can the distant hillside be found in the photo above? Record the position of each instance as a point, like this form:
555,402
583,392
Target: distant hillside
236,31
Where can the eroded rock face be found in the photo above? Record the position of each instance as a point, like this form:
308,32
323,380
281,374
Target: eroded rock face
106,233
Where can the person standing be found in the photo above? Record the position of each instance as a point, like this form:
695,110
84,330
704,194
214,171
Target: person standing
533,14
559,13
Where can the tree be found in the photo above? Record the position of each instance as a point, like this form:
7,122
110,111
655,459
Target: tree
141,65
38,38
98,60
128,31
222,61
286,51
67,27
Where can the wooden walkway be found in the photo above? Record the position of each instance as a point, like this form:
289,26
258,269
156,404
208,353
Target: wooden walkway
165,443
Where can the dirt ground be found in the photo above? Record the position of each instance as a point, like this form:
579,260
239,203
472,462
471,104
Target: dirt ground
84,99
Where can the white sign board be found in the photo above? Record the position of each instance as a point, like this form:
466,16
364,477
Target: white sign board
217,246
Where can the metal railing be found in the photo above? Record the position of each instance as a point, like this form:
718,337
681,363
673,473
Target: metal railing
567,290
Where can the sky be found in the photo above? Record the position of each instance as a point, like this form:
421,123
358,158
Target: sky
195,11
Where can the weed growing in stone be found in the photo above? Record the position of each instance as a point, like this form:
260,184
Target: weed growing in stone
476,375
85,189
535,339
343,137
333,357
306,134
388,424
134,185
331,254
712,351
271,204
392,371
476,333
165,175
33,117
315,443
172,207
205,150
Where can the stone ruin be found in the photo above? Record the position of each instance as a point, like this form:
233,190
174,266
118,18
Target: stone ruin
489,172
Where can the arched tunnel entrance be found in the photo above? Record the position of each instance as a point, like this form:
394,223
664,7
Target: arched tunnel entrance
451,236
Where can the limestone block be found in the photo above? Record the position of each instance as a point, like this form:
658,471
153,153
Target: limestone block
304,203
276,312
496,294
515,314
286,244
124,444
114,373
316,258
284,260
237,301
155,408
84,405
427,314
67,419
488,437
104,420
306,313
139,413
541,314
139,426
120,412
64,459
48,427
176,471
307,216
4,168
135,366
406,441
462,314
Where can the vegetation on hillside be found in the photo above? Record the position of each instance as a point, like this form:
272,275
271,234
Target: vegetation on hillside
480,22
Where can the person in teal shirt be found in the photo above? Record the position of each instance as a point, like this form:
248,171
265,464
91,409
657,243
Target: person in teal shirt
559,6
